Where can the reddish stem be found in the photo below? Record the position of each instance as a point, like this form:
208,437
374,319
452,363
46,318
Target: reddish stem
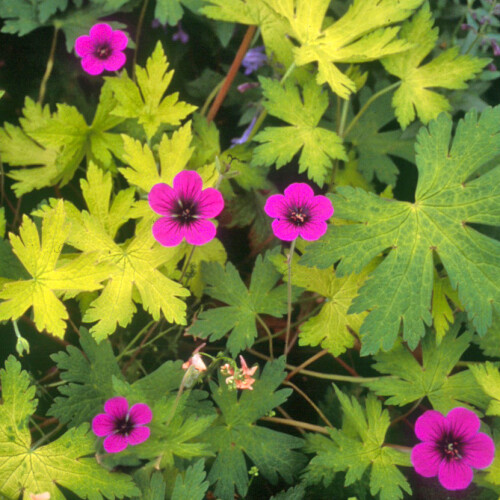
233,70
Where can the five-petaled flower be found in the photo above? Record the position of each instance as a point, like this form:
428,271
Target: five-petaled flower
451,447
122,426
185,208
299,213
102,49
241,378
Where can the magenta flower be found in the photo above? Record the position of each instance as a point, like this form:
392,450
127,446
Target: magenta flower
121,426
186,208
102,49
299,213
451,447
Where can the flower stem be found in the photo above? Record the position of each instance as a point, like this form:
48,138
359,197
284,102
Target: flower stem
231,74
310,401
307,362
138,36
296,423
133,341
211,97
289,297
269,335
367,104
325,376
48,68
186,263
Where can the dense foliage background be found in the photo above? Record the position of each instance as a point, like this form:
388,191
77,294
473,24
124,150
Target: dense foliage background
388,107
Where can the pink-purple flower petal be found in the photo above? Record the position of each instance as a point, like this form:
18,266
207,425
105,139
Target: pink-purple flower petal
285,230
101,33
479,451
298,194
188,185
320,207
454,474
276,206
199,232
463,423
116,407
119,40
313,230
430,426
103,424
115,443
115,61
210,203
168,232
84,45
162,199
138,435
92,65
140,414
426,459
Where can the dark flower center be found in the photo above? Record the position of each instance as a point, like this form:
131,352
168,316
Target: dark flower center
451,448
298,216
124,426
185,211
103,51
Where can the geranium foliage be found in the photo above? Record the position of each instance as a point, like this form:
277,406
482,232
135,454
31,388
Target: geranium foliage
249,249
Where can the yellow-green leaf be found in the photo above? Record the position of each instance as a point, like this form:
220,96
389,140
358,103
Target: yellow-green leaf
449,70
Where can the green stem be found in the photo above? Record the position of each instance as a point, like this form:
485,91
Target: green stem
289,295
46,437
186,263
48,68
269,335
343,117
133,341
211,97
138,36
325,376
296,423
367,104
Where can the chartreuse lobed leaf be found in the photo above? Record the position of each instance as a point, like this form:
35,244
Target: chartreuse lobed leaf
487,376
173,153
274,28
280,144
134,264
448,197
449,70
442,314
360,35
359,445
48,280
55,144
409,381
193,484
29,471
88,375
333,325
236,435
145,101
244,304
375,148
